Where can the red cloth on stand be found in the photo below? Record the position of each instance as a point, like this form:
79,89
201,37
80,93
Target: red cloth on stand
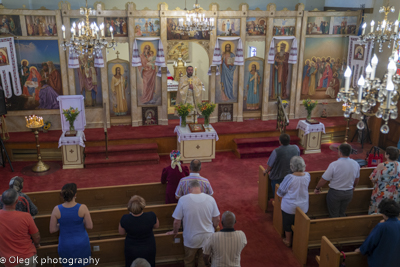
172,177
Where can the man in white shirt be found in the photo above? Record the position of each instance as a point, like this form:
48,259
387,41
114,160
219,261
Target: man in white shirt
200,216
225,246
343,176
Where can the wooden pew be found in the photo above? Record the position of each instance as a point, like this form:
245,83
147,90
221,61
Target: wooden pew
97,198
330,256
307,233
318,208
105,222
111,251
265,192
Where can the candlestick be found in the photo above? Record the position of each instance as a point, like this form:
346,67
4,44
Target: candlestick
396,26
63,30
79,29
383,25
111,30
389,89
347,76
374,63
372,26
363,28
361,82
368,71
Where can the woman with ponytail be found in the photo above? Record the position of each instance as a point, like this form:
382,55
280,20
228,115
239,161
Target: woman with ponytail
72,219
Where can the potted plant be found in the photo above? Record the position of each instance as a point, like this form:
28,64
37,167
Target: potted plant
309,105
206,109
183,110
70,115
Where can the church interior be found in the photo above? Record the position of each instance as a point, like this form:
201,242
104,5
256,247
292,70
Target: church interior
99,93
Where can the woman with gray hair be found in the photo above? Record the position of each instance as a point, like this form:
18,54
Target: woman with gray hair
294,193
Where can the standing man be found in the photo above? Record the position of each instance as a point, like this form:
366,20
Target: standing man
225,246
343,176
190,92
183,186
200,216
279,161
17,232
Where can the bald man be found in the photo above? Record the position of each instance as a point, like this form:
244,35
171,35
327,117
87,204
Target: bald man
226,245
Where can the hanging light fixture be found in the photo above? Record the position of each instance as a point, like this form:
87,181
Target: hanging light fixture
195,21
87,40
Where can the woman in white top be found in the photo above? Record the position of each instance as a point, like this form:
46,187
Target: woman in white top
294,193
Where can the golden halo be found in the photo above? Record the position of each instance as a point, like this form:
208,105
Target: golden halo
225,43
152,47
254,63
33,67
306,61
279,46
23,61
113,69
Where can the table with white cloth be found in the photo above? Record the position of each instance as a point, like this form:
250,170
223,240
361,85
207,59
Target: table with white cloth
72,150
310,136
197,145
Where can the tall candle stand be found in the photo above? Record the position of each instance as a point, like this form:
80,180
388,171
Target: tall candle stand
35,123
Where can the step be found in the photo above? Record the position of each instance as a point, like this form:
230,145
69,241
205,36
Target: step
95,161
262,141
133,148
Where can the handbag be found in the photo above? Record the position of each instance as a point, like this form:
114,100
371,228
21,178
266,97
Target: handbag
374,158
343,263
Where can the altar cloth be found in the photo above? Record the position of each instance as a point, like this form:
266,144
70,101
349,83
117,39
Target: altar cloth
310,128
72,140
184,134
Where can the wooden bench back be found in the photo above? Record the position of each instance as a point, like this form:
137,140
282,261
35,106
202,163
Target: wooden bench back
111,251
363,182
105,223
102,197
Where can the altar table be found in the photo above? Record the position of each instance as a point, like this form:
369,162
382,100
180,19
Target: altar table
72,150
310,136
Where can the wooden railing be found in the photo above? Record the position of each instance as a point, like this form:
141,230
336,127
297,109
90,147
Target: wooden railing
282,119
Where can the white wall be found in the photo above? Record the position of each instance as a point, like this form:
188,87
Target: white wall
122,48
260,46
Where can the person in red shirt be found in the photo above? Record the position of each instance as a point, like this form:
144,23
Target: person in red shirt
17,232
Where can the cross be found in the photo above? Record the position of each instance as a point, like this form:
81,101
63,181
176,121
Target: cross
314,137
197,146
71,151
190,80
117,54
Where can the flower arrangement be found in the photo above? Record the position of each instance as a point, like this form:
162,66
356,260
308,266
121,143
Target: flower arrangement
46,126
175,155
183,111
206,109
309,105
70,115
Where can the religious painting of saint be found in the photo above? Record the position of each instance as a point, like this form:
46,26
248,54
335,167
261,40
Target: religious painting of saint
184,48
119,25
88,82
118,84
343,25
225,112
227,82
173,32
324,67
253,80
82,20
148,84
40,75
4,57
359,52
41,25
10,24
281,74
284,27
318,25
228,27
149,116
256,26
147,27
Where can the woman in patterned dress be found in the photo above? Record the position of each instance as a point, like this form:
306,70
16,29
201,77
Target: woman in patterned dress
386,179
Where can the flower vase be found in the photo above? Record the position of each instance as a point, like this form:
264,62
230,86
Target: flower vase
183,121
309,115
206,121
71,126
71,131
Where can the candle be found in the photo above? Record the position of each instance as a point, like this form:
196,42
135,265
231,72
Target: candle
26,118
111,30
363,28
79,29
72,32
361,82
347,76
396,26
372,26
102,29
374,63
63,30
368,71
383,25
389,89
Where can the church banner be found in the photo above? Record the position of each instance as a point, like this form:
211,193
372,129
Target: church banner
359,56
9,67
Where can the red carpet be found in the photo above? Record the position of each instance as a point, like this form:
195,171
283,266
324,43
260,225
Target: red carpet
233,180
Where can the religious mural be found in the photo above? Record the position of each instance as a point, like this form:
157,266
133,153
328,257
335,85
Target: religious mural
284,27
228,27
256,26
149,116
225,112
118,84
147,27
358,53
148,84
119,25
281,71
318,25
253,79
227,82
40,76
174,34
343,25
41,25
10,24
88,82
184,48
324,67
4,61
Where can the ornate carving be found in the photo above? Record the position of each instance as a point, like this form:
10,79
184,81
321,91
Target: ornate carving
315,9
243,4
177,8
300,6
159,6
43,8
271,7
257,9
146,8
114,8
103,6
285,9
164,70
130,3
229,9
60,4
205,45
210,6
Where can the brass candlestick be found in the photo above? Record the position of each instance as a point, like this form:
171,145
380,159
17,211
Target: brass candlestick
35,123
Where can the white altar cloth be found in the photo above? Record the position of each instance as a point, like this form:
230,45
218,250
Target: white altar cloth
72,140
310,128
184,134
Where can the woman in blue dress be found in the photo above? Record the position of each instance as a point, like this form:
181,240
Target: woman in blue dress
253,92
72,219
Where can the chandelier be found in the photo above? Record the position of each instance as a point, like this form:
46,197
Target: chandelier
87,40
195,21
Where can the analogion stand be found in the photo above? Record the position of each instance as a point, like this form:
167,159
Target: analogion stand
198,145
310,136
72,146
